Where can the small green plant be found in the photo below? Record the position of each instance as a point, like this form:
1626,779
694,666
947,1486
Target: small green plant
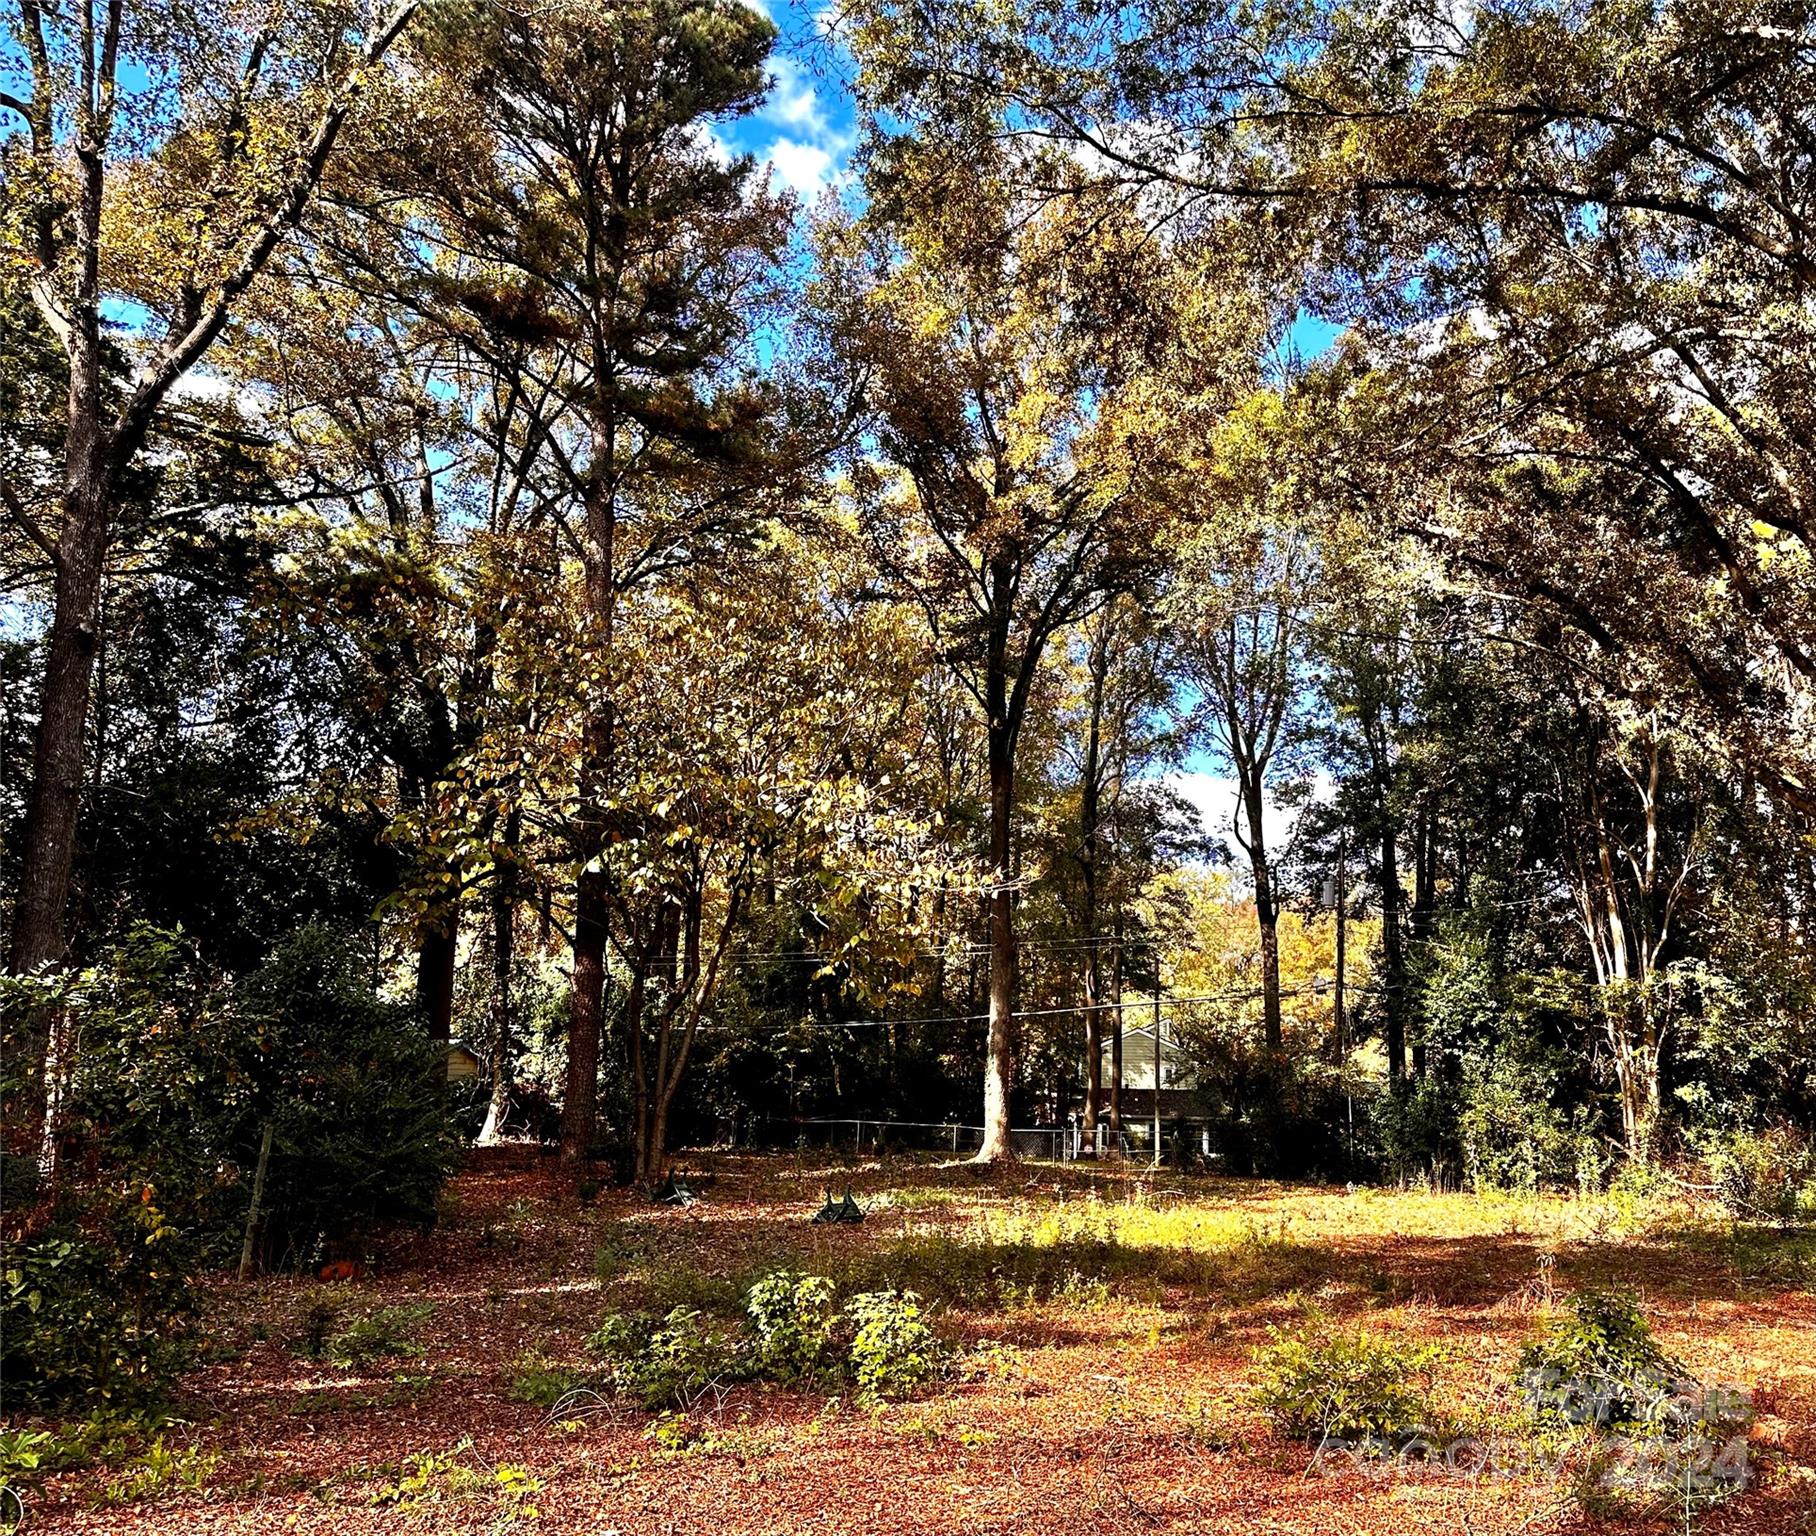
675,1434
158,1471
440,1477
1598,1363
537,1379
1345,1384
387,1333
893,1351
793,1317
23,1451
614,1253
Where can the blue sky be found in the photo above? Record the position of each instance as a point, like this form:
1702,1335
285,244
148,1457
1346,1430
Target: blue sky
806,130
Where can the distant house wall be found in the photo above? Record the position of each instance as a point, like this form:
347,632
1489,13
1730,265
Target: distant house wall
1177,1070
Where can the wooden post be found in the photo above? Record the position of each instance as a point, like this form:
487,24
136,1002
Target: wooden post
258,1196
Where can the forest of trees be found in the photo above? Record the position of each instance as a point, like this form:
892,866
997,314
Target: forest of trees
484,561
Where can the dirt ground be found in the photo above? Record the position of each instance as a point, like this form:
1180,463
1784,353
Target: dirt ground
1102,1327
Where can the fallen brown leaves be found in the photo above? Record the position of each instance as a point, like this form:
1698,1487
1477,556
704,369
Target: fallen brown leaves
1113,1405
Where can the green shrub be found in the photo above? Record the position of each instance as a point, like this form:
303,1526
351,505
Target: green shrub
797,1334
1598,1364
158,1471
1767,1175
437,1477
667,1364
793,1317
1343,1384
177,1073
1513,1136
542,1381
388,1333
619,1338
356,1092
24,1453
614,1253
95,1307
893,1351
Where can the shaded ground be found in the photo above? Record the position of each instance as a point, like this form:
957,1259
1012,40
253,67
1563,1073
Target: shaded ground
1104,1326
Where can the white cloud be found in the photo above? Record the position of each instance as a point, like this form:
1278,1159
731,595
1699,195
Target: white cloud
713,143
795,101
829,24
806,168
1216,799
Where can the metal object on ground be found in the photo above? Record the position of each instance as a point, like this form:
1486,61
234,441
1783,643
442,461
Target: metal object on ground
843,1212
673,1191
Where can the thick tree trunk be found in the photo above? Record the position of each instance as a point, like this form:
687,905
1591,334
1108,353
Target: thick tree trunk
633,1050
1116,1037
435,958
592,896
504,947
40,936
580,1105
1424,899
999,1058
1089,837
1393,960
1267,913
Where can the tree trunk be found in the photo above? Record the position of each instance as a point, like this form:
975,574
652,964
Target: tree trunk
1089,801
1392,958
592,896
999,1059
633,1047
579,1109
435,973
40,937
1116,1036
1424,899
1267,915
504,946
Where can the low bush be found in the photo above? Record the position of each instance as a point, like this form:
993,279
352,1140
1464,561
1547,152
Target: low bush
1343,1384
542,1381
95,1307
666,1364
158,1471
1767,1175
1598,1363
792,1316
893,1351
451,1476
179,1072
879,1340
355,1091
387,1333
